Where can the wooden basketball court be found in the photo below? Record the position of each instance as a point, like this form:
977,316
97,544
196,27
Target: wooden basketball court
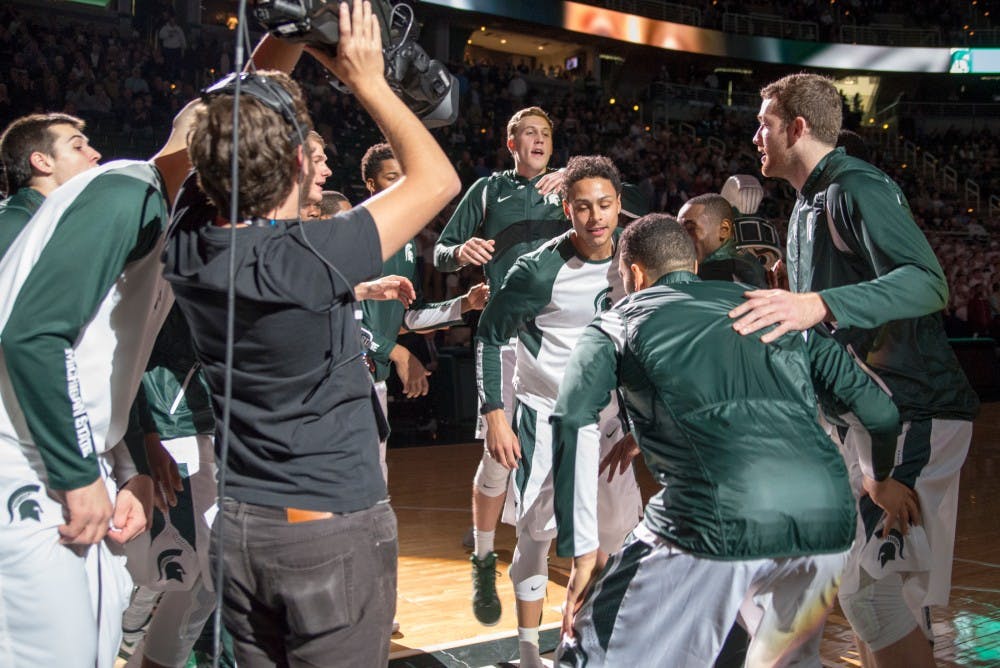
430,488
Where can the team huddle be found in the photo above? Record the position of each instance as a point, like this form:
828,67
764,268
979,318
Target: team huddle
799,437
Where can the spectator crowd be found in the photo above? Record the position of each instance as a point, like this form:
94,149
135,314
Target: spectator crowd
128,83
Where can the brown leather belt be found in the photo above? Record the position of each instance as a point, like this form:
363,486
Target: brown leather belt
296,515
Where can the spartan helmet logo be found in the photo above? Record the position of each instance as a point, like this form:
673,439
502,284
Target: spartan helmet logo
892,546
169,567
602,302
22,504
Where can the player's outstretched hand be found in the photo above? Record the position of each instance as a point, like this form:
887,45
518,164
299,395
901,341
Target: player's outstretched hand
475,299
411,372
359,60
584,571
89,510
620,456
501,441
387,288
900,503
552,182
790,311
164,472
475,251
133,509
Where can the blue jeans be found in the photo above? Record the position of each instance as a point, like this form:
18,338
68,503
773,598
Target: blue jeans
317,593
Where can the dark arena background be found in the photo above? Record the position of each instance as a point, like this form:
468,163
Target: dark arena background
670,92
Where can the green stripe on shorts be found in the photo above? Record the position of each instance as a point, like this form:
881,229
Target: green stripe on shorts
526,418
612,588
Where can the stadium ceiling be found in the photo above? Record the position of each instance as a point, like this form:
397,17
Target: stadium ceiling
522,44
590,21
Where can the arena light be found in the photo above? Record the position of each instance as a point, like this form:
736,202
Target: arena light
583,17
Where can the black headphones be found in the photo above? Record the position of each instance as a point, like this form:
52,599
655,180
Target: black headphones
263,89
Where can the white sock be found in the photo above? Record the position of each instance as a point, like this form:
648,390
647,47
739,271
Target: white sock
527,647
484,542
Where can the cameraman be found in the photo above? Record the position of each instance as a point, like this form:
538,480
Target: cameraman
310,539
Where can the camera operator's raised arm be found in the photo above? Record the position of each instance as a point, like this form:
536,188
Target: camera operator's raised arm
272,53
430,181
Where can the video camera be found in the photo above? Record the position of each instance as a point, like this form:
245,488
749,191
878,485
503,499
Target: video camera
424,84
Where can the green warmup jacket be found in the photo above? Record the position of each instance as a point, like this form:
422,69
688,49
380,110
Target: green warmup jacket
173,400
383,319
852,238
727,263
727,426
507,208
549,296
81,300
15,212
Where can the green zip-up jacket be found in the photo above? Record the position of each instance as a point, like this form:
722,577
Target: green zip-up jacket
507,208
852,239
15,212
727,263
726,424
383,319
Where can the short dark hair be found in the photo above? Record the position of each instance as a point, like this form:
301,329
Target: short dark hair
23,137
659,243
371,163
268,157
330,203
716,206
590,167
811,96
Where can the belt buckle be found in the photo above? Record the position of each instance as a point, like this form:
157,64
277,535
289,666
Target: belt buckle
297,515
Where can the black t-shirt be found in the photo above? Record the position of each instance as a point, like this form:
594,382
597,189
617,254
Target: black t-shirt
303,430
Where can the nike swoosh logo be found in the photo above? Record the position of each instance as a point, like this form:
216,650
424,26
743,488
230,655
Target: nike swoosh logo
537,587
610,433
503,199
